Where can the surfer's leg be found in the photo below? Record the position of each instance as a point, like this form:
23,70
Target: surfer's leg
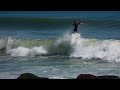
74,30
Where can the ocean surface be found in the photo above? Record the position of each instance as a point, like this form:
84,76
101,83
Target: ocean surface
42,43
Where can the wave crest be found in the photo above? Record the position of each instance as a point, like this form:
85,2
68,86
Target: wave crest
72,45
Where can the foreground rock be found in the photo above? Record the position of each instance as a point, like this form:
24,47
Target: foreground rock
81,76
30,76
90,76
107,77
86,76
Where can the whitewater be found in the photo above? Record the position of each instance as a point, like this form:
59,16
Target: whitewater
72,45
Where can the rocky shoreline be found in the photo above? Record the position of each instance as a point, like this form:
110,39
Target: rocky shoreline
81,76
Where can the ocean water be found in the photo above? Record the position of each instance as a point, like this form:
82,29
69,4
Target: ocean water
42,43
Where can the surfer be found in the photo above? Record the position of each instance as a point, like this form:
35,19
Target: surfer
75,24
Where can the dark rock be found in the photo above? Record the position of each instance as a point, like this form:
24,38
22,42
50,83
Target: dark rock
86,76
90,76
107,77
30,76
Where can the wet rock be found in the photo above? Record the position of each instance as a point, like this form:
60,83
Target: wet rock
30,76
90,76
86,76
107,77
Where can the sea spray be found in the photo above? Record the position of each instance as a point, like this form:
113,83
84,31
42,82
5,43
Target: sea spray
11,43
61,46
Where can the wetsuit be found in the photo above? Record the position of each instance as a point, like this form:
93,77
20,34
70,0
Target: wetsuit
75,27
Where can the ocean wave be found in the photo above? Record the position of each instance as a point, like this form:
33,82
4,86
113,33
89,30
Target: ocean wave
47,23
72,45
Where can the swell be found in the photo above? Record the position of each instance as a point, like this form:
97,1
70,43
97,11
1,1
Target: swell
47,23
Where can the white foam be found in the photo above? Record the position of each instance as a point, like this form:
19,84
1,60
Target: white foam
22,51
71,38
2,43
106,49
13,48
11,43
92,48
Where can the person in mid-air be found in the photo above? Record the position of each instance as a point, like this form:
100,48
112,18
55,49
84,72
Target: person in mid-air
75,24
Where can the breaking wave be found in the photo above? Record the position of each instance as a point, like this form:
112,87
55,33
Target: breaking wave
72,45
